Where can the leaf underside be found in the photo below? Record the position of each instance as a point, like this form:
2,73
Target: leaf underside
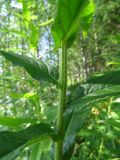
70,17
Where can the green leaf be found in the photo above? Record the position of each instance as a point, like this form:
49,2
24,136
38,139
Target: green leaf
36,152
111,77
39,149
15,121
80,100
9,141
34,35
36,68
75,123
87,17
12,155
26,11
71,15
90,94
29,95
46,22
99,87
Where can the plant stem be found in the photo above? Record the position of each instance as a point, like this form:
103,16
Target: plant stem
62,100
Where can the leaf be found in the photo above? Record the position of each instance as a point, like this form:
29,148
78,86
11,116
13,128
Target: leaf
15,121
71,15
39,149
9,141
75,123
29,95
87,17
111,77
26,10
12,155
34,35
92,93
80,100
100,86
46,23
36,68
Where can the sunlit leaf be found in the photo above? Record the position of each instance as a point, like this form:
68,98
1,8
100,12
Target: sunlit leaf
34,35
26,10
15,121
70,17
46,23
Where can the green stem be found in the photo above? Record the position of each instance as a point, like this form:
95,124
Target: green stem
101,148
62,100
37,105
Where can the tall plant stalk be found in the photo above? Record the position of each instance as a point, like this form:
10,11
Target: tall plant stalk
62,99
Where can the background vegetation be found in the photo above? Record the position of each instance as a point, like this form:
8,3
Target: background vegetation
25,29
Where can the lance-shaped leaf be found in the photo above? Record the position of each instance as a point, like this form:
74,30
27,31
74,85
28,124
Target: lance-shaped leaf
100,86
90,94
9,141
111,77
36,68
70,17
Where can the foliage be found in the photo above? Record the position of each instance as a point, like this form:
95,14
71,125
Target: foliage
66,25
83,118
37,69
14,140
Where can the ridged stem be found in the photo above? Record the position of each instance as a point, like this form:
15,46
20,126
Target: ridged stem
62,100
